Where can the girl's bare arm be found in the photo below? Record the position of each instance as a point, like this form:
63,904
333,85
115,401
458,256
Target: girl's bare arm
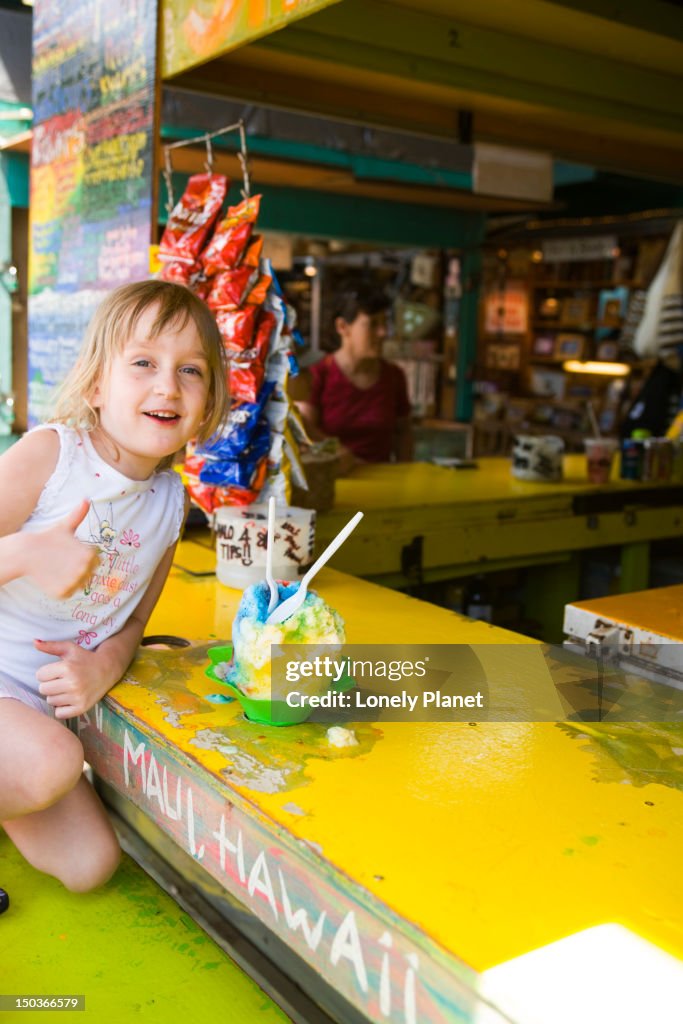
53,558
80,678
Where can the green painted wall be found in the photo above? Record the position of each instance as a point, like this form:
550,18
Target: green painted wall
14,168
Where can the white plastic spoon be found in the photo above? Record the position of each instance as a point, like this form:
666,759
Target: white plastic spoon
293,603
274,592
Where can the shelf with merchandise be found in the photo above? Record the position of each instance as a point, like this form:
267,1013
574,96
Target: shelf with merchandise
577,310
549,285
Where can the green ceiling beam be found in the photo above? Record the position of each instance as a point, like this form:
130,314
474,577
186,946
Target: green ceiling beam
366,168
411,44
356,218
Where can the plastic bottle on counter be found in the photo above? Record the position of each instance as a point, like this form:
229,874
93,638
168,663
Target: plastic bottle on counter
677,462
633,455
650,468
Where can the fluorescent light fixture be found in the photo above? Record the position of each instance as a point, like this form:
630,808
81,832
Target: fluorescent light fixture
593,366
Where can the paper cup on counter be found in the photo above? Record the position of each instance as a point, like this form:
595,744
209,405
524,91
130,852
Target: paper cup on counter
538,459
242,537
599,458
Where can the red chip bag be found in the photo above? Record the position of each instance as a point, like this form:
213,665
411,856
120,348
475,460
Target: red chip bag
245,381
210,497
193,217
237,327
201,494
230,288
234,495
178,273
259,350
230,238
247,368
201,285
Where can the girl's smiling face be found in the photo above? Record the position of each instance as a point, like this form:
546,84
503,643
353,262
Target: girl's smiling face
152,398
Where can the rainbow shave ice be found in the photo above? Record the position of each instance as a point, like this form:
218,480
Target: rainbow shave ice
313,623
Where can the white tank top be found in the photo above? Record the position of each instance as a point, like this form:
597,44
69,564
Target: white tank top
131,522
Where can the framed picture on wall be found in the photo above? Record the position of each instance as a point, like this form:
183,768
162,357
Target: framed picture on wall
570,346
502,357
547,383
576,310
544,345
608,350
612,308
506,309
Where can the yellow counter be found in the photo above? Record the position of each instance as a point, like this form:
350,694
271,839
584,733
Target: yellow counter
425,522
658,612
643,631
421,484
430,852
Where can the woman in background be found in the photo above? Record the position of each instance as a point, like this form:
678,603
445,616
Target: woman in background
354,394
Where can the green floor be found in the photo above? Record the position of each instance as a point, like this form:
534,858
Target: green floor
128,948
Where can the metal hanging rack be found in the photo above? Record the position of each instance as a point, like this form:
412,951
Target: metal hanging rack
206,138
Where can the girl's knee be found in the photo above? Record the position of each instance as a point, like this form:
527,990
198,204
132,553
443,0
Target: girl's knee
54,771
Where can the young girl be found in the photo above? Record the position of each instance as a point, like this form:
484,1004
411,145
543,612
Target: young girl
89,518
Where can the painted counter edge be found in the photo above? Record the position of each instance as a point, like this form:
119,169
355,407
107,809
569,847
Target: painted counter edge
383,965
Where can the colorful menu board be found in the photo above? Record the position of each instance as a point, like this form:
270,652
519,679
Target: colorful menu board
94,67
195,31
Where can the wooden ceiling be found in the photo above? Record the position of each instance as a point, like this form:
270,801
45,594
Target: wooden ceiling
555,76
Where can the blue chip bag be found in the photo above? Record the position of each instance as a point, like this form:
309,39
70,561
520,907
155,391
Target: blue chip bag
239,431
242,471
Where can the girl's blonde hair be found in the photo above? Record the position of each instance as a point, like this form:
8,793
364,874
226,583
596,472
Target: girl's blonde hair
113,325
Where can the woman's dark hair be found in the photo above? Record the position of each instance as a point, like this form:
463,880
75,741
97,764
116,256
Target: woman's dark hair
353,299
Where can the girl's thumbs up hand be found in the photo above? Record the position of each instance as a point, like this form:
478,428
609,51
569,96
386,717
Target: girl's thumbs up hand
56,560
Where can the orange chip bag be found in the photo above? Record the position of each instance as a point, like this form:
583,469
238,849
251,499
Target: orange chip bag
247,368
230,288
237,327
231,237
177,272
257,295
253,253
